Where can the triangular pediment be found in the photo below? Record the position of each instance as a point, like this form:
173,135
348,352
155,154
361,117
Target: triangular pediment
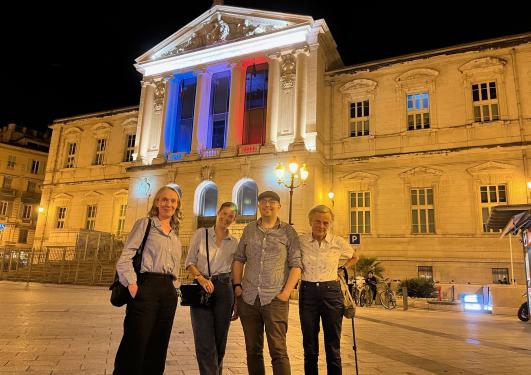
222,25
491,167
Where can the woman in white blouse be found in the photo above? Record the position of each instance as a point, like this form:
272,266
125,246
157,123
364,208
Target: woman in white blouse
320,296
211,324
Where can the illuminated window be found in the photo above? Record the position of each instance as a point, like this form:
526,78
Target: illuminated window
500,275
418,111
219,109
359,119
207,206
490,196
246,202
360,212
61,215
129,147
185,115
485,102
101,144
91,217
121,218
422,211
255,104
425,272
70,155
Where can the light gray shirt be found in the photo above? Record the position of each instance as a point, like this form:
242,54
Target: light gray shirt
321,261
162,252
268,254
220,257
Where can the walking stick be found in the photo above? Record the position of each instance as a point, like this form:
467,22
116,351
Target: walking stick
342,279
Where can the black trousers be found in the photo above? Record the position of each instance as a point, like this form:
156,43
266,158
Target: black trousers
147,327
321,301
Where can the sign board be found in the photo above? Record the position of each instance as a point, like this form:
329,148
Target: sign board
2,227
354,239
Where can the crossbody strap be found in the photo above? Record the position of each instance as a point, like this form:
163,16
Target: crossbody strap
141,248
208,254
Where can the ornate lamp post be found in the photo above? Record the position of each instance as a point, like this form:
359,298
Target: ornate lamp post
297,178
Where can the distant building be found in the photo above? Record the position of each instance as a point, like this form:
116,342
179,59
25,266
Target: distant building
23,154
416,148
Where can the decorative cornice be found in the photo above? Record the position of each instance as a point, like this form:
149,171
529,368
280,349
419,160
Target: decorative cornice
423,74
420,171
358,86
491,167
485,63
359,176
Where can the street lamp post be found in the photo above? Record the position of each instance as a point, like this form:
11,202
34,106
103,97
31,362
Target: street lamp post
296,179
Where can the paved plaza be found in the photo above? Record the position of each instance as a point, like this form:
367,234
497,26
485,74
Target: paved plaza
60,329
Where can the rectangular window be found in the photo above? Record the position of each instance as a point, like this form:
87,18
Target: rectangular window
91,217
61,215
26,211
70,155
7,182
418,111
359,119
35,167
11,161
219,109
121,218
360,212
256,81
490,196
101,144
500,275
422,211
185,115
129,147
32,187
3,208
425,272
23,236
485,102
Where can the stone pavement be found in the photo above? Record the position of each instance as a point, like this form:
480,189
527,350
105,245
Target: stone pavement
60,329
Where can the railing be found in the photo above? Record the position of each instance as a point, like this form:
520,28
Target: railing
249,149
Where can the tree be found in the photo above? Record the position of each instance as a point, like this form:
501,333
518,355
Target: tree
366,264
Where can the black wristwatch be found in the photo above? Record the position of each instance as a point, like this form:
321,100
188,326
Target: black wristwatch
234,286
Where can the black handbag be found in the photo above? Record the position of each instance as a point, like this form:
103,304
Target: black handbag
193,294
120,294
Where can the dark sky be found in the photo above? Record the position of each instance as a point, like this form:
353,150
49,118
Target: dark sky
70,58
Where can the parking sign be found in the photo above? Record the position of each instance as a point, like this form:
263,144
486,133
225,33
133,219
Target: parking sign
354,239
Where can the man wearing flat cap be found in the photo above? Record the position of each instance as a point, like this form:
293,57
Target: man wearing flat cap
271,252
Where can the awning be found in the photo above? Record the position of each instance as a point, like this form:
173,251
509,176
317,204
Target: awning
510,218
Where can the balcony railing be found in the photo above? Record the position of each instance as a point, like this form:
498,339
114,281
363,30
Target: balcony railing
249,149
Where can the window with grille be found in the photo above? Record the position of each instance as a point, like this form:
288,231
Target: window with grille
425,272
485,102
129,147
26,211
11,161
490,196
23,236
3,208
7,182
422,211
61,215
500,275
71,149
121,218
359,118
418,111
91,217
101,144
360,212
35,167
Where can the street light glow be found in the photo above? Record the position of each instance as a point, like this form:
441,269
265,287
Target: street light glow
331,195
304,172
279,171
41,210
293,167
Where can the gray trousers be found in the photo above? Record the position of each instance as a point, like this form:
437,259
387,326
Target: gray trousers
211,327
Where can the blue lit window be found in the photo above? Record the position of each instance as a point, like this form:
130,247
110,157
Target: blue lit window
418,111
185,115
219,109
209,200
255,104
247,195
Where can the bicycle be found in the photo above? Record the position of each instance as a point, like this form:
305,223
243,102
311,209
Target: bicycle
366,296
387,296
356,287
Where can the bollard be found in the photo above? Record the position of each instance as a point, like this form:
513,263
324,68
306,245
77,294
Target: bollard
404,298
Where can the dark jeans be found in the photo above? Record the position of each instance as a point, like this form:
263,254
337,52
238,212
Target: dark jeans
147,327
324,301
274,317
211,327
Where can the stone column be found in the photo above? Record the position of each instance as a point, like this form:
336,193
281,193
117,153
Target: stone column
202,101
161,156
144,121
300,102
272,104
236,107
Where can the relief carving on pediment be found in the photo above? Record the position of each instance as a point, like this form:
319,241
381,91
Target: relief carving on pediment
217,30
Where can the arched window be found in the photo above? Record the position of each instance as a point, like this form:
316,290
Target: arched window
208,201
246,199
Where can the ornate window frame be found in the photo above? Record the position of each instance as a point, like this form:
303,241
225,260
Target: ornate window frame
357,182
357,90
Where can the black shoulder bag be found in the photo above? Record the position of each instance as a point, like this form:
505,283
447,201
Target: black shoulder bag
193,294
120,294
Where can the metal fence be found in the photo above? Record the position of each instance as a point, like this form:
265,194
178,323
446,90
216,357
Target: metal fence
89,260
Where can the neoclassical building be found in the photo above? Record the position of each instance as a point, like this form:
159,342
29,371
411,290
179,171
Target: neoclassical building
416,148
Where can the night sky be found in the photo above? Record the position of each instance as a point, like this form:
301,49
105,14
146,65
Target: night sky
64,59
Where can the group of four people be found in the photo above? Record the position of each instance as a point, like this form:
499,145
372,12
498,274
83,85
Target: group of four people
251,278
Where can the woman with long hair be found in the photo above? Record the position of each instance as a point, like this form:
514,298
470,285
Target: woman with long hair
211,324
150,312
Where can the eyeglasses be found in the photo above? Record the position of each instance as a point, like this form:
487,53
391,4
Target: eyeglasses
265,202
